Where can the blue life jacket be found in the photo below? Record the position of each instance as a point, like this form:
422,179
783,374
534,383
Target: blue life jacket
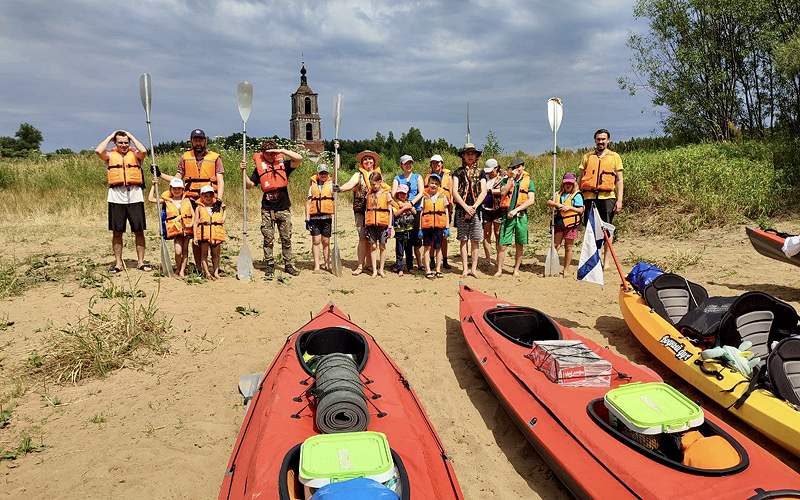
413,187
642,274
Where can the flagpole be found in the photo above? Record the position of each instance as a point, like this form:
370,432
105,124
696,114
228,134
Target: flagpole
610,247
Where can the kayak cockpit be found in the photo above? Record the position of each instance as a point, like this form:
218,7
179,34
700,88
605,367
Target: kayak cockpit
666,448
522,325
290,487
316,343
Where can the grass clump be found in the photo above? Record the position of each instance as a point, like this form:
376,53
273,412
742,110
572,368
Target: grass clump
100,418
25,446
5,417
674,262
126,334
247,311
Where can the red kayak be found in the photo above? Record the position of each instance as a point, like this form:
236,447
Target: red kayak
769,243
281,416
569,426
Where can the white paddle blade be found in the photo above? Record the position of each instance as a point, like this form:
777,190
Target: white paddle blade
338,113
555,111
244,263
244,98
336,261
166,261
552,267
145,92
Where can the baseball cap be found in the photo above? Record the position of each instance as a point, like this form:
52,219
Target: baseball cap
176,183
490,165
197,133
569,177
517,162
405,159
437,158
436,177
402,188
206,189
322,168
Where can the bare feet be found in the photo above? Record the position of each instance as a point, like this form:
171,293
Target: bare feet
515,273
400,272
473,273
380,273
357,271
465,274
498,273
374,273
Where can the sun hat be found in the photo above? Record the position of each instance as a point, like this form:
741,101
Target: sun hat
405,159
490,165
375,156
469,147
197,134
402,188
176,183
516,162
437,158
569,177
206,189
322,168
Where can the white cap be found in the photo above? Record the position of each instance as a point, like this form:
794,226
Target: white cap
206,189
490,165
437,158
176,183
322,168
405,159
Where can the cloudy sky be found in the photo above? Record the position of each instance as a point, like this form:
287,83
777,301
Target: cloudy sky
71,68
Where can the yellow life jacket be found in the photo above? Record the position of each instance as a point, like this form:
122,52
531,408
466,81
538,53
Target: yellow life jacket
434,213
210,226
321,199
522,195
599,173
446,185
571,218
178,221
196,176
377,213
362,188
124,170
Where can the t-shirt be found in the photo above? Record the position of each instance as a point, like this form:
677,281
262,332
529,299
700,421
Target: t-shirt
125,195
576,202
469,186
278,199
616,158
413,186
490,203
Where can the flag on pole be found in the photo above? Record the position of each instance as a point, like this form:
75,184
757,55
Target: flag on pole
590,264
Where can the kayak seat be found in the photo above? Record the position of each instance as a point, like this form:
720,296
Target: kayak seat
672,296
783,367
331,341
701,324
522,325
760,318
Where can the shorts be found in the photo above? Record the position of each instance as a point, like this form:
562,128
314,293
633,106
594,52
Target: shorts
433,237
359,216
376,234
492,215
120,213
320,226
604,207
514,230
469,229
569,234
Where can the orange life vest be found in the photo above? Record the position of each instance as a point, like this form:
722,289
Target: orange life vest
377,213
571,218
196,176
178,221
522,195
599,173
124,170
434,213
211,226
271,176
708,452
446,185
321,199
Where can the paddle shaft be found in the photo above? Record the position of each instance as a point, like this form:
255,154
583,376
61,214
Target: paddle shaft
244,182
155,177
553,222
610,247
336,183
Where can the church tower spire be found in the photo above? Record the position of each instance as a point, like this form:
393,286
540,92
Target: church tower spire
305,124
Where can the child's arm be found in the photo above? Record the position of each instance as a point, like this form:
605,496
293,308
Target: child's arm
195,230
223,214
151,196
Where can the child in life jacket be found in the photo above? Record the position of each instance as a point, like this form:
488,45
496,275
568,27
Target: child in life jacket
377,221
434,220
177,220
403,212
319,216
568,203
209,230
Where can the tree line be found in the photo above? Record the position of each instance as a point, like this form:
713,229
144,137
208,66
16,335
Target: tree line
721,68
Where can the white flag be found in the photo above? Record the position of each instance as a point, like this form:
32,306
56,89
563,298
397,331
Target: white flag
590,264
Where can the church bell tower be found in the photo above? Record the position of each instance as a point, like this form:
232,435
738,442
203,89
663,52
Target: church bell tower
305,125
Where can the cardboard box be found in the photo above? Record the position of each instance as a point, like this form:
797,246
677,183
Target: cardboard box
570,363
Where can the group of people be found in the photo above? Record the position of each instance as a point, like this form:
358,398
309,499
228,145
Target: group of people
485,204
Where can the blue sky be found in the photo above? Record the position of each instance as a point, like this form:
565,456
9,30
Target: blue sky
71,68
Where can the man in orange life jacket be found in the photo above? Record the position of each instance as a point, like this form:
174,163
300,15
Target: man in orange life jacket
198,167
600,181
272,169
125,194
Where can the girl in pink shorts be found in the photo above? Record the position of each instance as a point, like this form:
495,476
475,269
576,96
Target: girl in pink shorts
568,203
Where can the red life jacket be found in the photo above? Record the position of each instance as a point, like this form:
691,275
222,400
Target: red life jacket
271,176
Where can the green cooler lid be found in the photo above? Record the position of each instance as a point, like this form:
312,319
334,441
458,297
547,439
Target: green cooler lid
346,455
653,408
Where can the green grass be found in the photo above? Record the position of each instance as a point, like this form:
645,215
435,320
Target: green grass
25,446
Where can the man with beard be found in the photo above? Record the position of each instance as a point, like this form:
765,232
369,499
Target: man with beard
601,182
469,190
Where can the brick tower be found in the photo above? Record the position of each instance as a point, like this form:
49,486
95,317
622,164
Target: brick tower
305,126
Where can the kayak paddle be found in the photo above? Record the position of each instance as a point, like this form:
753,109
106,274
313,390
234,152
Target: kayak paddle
554,113
145,92
336,259
244,99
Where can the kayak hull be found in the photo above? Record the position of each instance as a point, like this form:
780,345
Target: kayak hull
770,245
773,417
278,420
590,461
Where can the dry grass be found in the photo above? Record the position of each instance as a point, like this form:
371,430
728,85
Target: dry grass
673,262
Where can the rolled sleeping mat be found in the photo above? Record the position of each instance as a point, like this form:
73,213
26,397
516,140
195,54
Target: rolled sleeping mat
341,404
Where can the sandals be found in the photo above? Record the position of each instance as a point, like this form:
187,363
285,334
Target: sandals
430,276
439,275
114,270
357,271
145,267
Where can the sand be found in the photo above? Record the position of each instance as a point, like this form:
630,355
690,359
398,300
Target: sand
167,430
